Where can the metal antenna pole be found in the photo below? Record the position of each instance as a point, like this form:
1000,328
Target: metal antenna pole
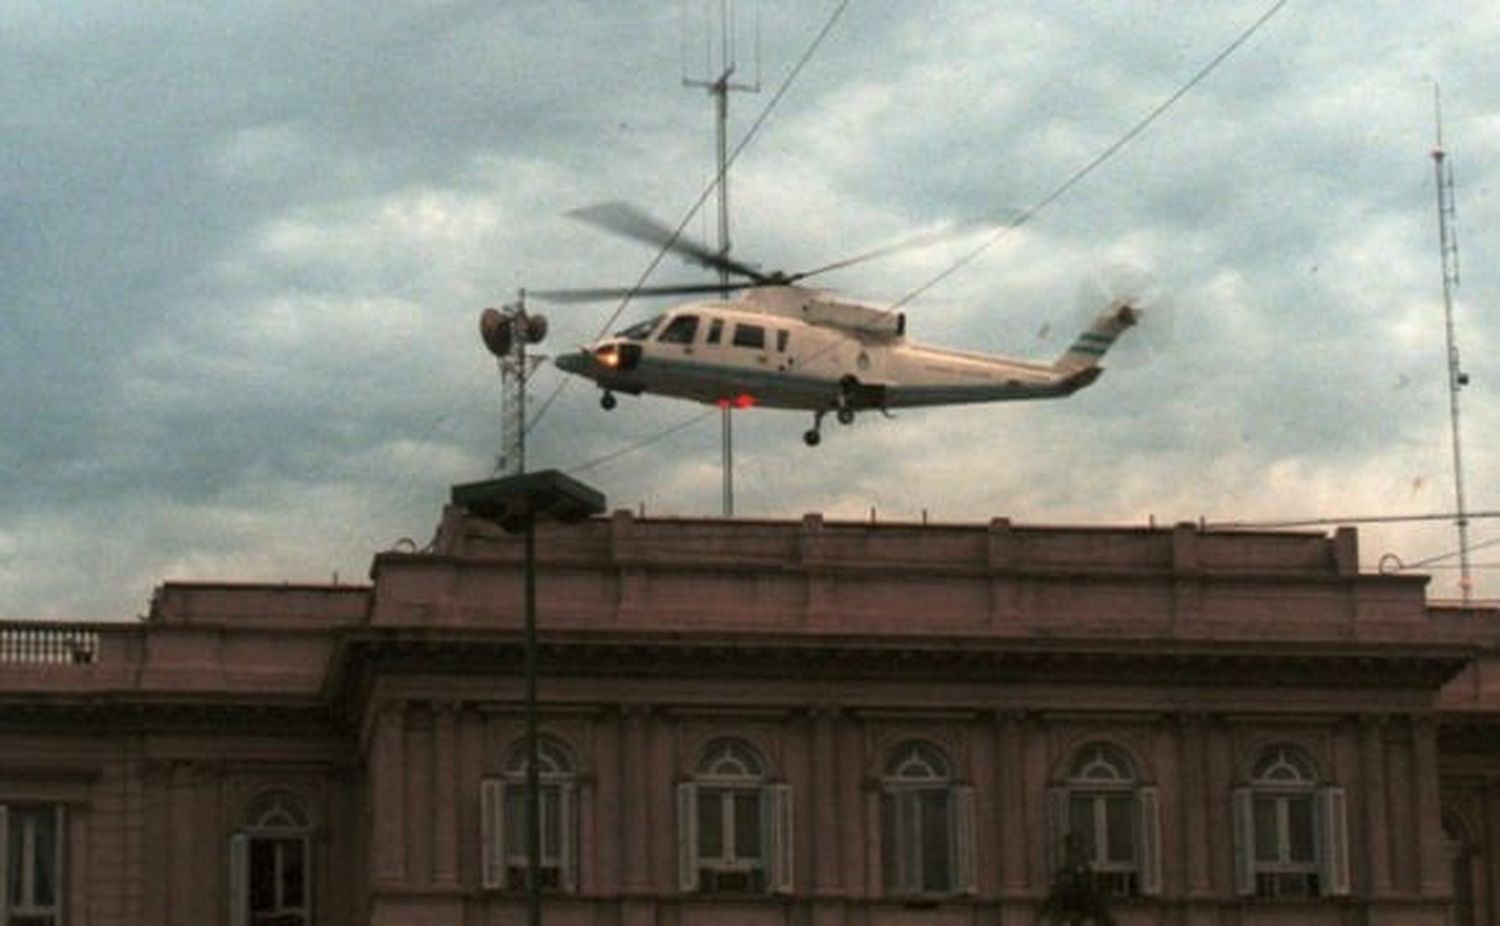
719,89
1457,379
514,371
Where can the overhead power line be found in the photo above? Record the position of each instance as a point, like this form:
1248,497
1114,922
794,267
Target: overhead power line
641,444
692,212
1284,523
1098,161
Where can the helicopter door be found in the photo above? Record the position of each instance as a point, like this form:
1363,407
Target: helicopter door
749,346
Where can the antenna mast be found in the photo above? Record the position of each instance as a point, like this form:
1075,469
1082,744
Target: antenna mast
719,88
1457,379
506,332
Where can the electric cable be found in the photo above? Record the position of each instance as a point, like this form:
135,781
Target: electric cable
692,212
1099,159
1326,521
639,445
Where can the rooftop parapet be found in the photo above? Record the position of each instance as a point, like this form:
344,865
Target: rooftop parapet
997,578
268,604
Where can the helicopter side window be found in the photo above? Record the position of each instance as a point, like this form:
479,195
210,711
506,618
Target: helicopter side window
752,336
680,330
782,335
715,331
640,331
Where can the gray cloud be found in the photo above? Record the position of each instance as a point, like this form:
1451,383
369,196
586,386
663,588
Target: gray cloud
242,252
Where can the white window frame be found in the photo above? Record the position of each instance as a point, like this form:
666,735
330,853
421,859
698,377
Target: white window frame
1101,773
916,772
501,857
1284,775
731,769
28,906
283,820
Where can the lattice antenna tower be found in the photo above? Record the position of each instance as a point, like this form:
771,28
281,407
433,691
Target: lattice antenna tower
1457,379
507,332
717,79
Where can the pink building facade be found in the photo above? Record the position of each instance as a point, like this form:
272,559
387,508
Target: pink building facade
767,724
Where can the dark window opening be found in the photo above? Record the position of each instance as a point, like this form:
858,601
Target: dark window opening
680,330
278,881
751,336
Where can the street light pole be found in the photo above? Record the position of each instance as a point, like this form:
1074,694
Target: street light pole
515,503
533,749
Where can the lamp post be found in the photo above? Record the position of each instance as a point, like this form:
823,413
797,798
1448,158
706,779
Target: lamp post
515,503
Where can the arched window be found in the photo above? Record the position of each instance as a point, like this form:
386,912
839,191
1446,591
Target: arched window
505,816
735,825
1291,838
270,863
927,824
1113,819
32,878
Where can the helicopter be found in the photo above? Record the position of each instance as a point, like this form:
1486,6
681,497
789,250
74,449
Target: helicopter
780,344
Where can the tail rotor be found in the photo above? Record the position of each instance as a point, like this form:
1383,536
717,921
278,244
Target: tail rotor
1124,287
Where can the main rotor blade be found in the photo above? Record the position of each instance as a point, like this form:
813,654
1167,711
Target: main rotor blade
909,243
627,221
620,292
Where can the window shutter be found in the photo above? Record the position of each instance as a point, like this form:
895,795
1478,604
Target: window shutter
567,827
965,880
1149,860
1333,843
239,879
779,799
308,881
4,863
1057,826
893,847
1244,842
492,833
687,837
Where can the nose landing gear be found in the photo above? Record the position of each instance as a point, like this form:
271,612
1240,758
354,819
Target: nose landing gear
607,401
814,435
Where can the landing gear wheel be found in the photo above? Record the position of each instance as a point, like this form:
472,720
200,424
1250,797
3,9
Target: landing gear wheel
812,437
607,401
846,416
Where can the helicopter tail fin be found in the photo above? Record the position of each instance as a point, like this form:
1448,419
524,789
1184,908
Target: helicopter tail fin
1085,352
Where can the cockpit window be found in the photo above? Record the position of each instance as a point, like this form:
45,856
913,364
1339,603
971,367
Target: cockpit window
679,330
640,331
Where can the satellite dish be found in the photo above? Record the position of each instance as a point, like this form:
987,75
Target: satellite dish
536,328
495,329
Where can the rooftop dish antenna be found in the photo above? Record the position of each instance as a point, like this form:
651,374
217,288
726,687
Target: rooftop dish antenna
719,87
1457,379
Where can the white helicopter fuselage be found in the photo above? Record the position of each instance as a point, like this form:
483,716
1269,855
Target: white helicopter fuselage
795,348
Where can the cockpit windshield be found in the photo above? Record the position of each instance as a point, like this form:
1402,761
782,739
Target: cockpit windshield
640,331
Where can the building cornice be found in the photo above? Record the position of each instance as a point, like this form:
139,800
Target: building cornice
762,656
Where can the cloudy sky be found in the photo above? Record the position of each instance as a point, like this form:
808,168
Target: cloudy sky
243,248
